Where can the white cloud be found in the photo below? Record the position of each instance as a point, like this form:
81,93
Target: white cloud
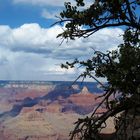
29,38
43,2
33,52
58,70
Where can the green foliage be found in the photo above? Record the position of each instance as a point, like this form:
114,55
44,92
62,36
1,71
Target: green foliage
121,67
100,14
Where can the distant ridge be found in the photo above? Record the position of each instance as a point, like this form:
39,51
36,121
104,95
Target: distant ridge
92,86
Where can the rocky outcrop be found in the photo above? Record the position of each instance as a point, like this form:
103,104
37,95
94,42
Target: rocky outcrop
48,137
34,116
85,91
32,93
84,97
81,103
54,107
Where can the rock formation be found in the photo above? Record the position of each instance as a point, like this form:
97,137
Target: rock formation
42,113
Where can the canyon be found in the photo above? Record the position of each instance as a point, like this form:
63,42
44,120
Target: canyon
44,110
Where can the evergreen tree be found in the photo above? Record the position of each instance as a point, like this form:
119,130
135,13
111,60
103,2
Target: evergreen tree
121,67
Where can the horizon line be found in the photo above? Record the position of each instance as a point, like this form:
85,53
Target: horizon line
45,81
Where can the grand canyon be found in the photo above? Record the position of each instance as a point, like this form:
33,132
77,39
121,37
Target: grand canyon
38,110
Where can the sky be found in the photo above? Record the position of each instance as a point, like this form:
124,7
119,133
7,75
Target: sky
29,49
